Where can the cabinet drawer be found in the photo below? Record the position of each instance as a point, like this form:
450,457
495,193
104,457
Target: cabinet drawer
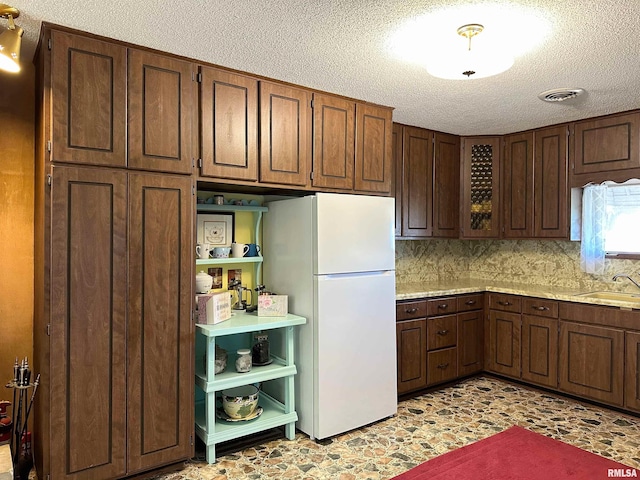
442,365
441,306
441,332
470,302
506,303
540,307
408,310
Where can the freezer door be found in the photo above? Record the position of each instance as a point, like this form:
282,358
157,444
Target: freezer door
355,233
355,351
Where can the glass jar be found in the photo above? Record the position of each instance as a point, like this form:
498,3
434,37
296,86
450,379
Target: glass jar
243,363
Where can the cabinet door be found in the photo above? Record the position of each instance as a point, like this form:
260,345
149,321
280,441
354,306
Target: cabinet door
446,186
442,365
417,188
228,121
88,301
373,149
160,345
411,344
442,332
333,142
480,188
551,194
88,99
398,176
161,112
285,134
470,342
504,343
591,362
632,371
517,186
607,145
540,350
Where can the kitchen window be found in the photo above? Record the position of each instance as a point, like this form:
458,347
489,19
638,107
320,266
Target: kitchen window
622,227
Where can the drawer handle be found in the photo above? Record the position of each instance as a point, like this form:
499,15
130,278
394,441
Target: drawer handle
470,302
442,366
411,310
443,305
541,309
442,332
505,304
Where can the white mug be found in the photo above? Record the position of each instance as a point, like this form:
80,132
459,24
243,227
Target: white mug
202,250
239,249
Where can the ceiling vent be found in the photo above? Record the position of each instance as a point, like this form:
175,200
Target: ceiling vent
560,94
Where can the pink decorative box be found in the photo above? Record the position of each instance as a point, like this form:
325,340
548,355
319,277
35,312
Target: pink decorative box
213,307
273,305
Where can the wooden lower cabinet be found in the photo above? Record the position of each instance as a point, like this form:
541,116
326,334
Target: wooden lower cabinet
411,343
632,371
591,362
470,342
442,365
540,350
504,343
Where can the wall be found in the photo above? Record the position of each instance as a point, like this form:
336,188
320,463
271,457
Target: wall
16,218
540,262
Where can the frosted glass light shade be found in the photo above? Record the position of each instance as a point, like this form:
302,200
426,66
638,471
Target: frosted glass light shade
10,41
454,65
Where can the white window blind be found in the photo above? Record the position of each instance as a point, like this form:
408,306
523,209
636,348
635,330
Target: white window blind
622,231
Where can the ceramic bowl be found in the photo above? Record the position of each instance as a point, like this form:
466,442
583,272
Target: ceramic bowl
240,402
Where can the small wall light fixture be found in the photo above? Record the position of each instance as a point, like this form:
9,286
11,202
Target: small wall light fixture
10,40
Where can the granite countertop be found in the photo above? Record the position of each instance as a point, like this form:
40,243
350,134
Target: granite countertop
407,291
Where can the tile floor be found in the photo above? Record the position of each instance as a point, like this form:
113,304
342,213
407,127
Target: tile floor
428,426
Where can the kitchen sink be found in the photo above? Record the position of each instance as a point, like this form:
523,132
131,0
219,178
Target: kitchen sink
616,296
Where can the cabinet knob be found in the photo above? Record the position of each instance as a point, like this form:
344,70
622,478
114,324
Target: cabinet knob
541,308
442,332
504,304
443,305
442,366
470,302
411,310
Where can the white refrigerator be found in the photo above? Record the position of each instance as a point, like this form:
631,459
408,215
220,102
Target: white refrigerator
334,255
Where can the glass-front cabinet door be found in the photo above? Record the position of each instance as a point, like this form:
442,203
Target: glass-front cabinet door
480,188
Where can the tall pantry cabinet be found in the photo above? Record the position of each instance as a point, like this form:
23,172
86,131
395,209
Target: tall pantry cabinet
113,336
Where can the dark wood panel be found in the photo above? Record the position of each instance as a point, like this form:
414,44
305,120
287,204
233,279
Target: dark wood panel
505,302
551,193
591,362
632,371
442,365
540,307
442,332
88,301
229,125
411,344
441,306
160,344
465,303
540,350
517,186
470,342
504,343
446,186
373,167
411,309
417,191
285,134
399,176
88,98
162,112
333,142
600,315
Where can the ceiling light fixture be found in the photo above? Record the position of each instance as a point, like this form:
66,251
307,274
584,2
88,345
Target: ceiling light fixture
10,40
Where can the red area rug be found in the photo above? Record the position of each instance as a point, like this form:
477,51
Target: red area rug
519,454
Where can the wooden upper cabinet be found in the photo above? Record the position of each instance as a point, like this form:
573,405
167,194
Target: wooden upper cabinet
480,188
228,119
446,186
285,134
88,99
159,335
86,388
551,192
333,142
417,219
517,185
396,191
161,114
606,148
373,169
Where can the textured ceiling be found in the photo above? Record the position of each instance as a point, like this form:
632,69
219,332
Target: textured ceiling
339,46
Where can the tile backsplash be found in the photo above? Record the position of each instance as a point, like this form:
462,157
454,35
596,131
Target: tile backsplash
538,262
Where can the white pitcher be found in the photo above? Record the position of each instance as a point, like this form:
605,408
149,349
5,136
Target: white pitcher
239,249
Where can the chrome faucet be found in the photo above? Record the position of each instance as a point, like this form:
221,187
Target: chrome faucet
622,275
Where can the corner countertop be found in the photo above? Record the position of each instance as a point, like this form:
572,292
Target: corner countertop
408,291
